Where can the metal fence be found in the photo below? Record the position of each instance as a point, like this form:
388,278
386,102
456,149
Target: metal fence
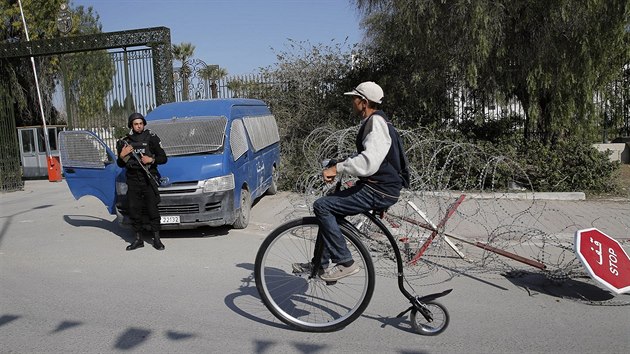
612,104
132,90
613,107
10,171
252,85
134,81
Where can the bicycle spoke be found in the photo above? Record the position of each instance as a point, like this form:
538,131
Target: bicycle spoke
299,300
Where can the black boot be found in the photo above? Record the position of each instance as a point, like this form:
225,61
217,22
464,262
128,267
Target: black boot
157,244
137,243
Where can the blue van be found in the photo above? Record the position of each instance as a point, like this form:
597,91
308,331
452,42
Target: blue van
222,155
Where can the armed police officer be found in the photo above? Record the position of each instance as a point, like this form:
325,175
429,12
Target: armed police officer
140,152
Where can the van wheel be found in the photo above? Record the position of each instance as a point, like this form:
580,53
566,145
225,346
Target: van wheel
273,189
242,219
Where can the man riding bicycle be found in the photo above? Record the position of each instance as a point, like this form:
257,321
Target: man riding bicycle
377,165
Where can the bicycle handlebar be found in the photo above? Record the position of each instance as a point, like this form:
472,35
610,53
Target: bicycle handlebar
328,163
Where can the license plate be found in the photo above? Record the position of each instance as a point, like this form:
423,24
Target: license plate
169,219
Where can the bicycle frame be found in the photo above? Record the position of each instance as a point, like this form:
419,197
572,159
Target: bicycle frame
417,302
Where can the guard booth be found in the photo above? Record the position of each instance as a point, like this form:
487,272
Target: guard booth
33,149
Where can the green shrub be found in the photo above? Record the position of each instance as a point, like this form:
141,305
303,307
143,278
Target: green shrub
569,166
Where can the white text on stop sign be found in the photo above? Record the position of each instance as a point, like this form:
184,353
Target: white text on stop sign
612,257
612,262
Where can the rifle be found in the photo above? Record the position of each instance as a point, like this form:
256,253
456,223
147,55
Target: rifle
152,180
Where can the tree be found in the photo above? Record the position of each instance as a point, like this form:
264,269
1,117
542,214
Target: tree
237,87
88,76
87,92
307,93
213,73
183,52
19,72
559,68
550,56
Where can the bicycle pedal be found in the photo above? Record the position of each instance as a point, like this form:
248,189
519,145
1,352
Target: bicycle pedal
331,282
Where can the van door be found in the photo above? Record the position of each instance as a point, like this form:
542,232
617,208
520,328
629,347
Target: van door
261,174
241,160
89,166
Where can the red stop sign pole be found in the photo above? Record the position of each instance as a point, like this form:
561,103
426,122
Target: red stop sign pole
604,258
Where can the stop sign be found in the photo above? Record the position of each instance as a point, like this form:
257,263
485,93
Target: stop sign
605,259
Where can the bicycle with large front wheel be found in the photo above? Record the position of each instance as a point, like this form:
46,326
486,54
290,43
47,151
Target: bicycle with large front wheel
306,302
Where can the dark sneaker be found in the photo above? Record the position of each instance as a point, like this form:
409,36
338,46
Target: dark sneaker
158,245
301,267
304,268
340,271
137,243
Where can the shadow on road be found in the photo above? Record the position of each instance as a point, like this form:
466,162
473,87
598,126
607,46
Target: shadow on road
93,221
99,223
205,231
129,339
126,233
9,219
401,323
569,289
246,301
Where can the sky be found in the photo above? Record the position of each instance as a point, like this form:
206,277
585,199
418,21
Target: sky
237,35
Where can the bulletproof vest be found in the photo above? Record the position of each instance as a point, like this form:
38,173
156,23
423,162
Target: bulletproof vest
141,146
140,143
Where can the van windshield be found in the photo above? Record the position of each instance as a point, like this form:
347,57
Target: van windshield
190,135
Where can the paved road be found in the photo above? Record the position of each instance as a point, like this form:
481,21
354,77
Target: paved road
68,285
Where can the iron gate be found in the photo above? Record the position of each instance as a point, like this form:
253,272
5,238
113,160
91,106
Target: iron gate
131,90
10,171
139,80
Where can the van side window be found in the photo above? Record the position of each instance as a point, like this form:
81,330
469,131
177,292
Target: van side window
238,139
81,150
262,131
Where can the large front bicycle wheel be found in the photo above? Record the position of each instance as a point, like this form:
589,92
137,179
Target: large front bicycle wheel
304,302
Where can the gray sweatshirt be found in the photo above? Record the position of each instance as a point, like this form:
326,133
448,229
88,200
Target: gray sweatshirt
377,143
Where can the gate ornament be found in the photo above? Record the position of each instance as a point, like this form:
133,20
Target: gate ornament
64,21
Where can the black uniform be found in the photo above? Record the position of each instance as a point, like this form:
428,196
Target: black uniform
141,196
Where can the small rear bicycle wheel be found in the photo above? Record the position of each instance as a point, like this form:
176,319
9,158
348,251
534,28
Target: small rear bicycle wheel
304,302
437,325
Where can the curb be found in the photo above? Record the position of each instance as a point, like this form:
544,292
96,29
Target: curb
567,196
531,196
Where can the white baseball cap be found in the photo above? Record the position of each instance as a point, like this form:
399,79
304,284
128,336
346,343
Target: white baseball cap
368,90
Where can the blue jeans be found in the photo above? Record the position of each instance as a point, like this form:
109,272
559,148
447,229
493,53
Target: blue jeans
351,201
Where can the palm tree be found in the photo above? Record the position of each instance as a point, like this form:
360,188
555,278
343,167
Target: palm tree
237,86
213,73
183,52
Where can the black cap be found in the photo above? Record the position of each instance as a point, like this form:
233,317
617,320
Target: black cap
135,116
